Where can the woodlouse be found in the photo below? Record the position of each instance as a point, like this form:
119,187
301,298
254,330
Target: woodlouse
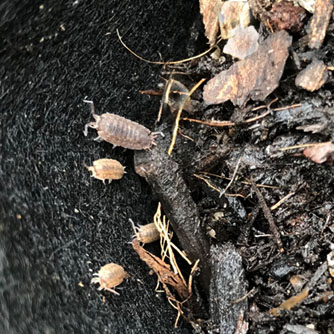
121,131
110,276
106,169
145,233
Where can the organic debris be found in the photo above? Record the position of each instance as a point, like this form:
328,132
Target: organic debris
243,43
233,14
313,76
319,23
254,77
163,174
210,9
321,153
290,303
228,285
285,16
167,278
299,298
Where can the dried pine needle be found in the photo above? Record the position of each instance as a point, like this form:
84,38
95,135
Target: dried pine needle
301,146
167,62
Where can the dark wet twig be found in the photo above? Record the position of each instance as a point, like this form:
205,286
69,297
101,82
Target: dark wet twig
269,216
165,177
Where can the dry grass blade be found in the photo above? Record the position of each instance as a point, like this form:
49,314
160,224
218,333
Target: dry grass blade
178,116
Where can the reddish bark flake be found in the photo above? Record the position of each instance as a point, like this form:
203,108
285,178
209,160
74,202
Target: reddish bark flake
321,153
209,10
319,22
285,16
254,77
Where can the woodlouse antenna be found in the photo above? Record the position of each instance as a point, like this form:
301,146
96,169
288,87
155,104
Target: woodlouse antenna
135,228
92,107
158,133
96,117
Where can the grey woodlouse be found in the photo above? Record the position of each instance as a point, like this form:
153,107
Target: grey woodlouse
145,233
121,131
106,169
110,276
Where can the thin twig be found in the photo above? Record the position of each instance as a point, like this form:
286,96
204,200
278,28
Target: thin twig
233,178
178,116
269,217
301,146
281,201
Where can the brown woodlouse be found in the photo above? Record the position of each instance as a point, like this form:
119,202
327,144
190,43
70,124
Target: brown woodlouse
145,233
121,131
110,276
106,169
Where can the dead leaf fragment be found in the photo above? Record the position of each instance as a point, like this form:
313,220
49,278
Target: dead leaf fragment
210,11
233,14
319,22
254,77
321,153
243,43
313,76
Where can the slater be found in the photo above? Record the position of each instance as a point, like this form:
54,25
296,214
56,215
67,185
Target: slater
106,169
110,276
121,131
145,233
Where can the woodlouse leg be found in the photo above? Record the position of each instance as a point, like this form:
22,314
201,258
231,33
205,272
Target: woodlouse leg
112,290
98,139
158,133
92,107
89,125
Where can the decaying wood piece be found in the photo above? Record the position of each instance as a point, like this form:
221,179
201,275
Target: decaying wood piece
233,14
162,270
243,43
254,77
210,10
227,289
163,174
313,76
319,22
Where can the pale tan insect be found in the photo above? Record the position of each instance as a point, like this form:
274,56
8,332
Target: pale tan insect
145,233
121,131
106,169
110,276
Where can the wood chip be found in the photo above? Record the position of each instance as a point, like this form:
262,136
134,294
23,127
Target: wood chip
313,76
233,14
243,43
322,153
254,77
319,22
210,10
